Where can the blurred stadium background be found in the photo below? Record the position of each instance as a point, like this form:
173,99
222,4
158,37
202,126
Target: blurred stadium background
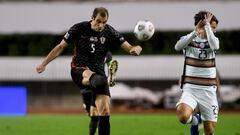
29,29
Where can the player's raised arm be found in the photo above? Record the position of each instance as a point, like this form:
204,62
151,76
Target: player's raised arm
56,51
210,30
133,50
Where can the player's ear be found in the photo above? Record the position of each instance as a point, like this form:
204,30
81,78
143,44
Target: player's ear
92,17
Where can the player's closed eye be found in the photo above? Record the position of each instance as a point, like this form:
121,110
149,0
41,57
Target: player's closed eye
99,21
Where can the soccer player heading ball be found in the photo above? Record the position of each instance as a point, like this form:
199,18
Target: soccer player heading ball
92,40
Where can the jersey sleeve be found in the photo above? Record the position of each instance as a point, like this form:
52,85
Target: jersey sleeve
212,40
185,40
117,38
72,34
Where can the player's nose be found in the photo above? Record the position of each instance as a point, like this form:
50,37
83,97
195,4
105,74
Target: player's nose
101,25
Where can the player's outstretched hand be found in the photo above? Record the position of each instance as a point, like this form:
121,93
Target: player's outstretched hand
40,68
136,50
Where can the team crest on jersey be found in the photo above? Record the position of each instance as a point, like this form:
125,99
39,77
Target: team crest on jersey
102,40
202,45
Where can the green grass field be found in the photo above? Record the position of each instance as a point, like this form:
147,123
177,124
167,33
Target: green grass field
127,124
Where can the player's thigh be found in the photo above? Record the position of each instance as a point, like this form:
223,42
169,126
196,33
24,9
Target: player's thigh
208,106
186,104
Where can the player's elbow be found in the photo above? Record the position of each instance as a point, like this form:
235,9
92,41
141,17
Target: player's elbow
214,46
217,47
177,47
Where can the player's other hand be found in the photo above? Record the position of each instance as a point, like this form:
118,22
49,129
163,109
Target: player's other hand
40,68
135,50
200,27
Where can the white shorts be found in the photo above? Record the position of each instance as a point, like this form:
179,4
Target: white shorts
203,98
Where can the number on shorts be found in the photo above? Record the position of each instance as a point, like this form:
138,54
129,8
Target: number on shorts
215,109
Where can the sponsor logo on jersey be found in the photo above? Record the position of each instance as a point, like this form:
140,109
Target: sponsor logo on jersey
93,39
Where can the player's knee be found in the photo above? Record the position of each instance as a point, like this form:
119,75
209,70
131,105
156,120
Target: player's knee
209,129
105,111
183,119
98,81
184,113
94,111
209,132
86,75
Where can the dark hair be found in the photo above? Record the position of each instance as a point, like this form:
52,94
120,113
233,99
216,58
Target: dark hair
100,10
201,16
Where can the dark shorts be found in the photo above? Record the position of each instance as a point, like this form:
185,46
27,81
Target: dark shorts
88,92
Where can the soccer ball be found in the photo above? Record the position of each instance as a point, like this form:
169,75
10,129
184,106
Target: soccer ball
144,30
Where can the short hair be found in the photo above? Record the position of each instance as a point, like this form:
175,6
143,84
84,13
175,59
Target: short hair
201,16
103,12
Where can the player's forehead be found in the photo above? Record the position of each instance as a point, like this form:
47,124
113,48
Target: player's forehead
100,18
